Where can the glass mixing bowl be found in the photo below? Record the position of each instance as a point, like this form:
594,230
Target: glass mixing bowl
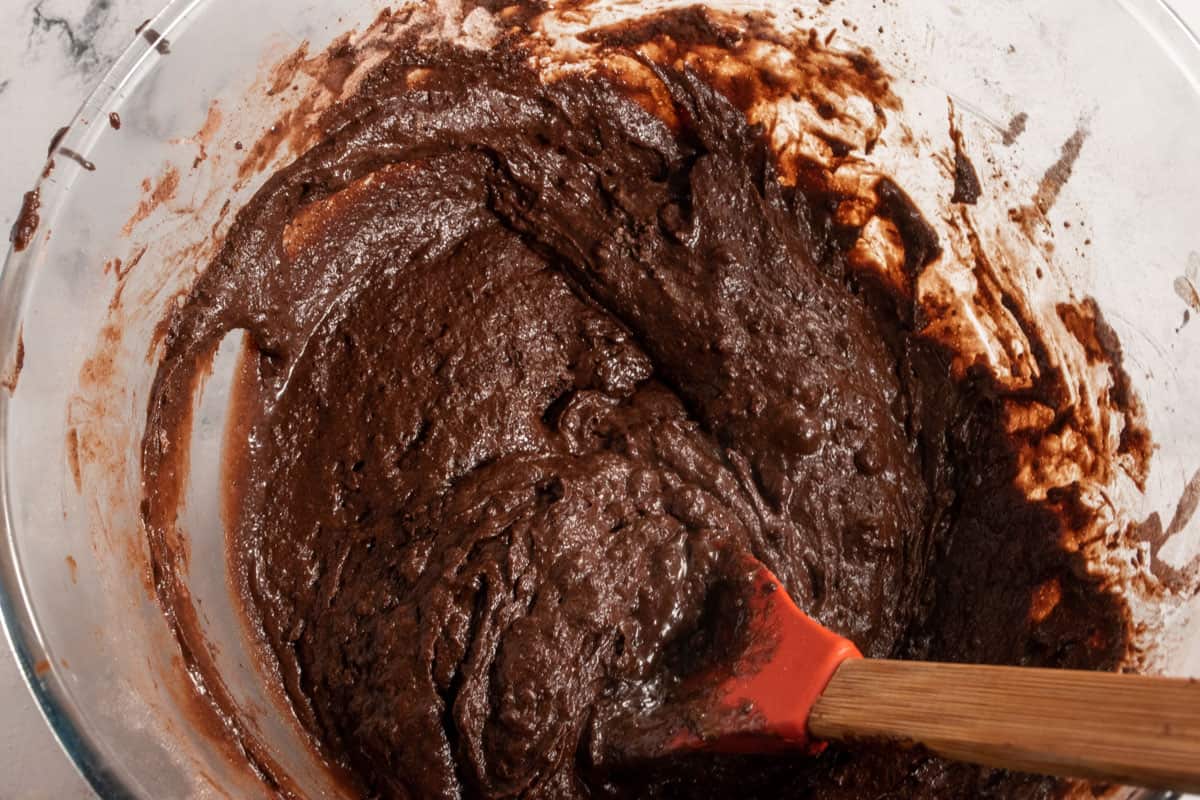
94,646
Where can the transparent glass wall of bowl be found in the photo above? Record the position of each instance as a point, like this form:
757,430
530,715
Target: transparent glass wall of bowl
94,646
74,587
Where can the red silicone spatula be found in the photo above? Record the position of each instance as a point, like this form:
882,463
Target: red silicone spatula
797,685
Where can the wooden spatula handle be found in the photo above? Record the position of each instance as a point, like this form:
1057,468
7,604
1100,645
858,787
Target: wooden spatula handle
1127,729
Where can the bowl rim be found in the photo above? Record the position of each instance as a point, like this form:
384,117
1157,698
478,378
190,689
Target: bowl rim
102,769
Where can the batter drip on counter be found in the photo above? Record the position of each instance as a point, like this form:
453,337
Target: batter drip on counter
525,363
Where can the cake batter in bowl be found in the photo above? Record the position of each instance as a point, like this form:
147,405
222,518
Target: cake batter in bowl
439,370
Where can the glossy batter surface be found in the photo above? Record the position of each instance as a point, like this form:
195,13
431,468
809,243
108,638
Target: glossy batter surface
526,365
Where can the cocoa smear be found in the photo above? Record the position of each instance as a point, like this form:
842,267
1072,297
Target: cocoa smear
73,462
594,382
1187,286
155,194
1087,324
56,139
13,374
1016,127
301,123
156,40
1189,501
967,188
208,131
77,158
1059,172
1182,580
28,219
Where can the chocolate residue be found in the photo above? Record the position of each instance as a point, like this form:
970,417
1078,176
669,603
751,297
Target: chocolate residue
1186,509
1059,173
27,221
332,67
204,136
1016,127
525,356
1188,292
1101,345
73,568
56,139
13,374
122,270
77,158
72,455
114,119
162,45
324,77
1187,285
263,150
1183,580
966,180
154,195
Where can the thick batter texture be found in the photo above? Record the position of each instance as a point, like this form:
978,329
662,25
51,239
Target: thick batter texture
527,364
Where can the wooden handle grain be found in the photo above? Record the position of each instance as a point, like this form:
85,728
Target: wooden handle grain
1128,729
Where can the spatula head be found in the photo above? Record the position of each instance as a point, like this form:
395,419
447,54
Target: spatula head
754,699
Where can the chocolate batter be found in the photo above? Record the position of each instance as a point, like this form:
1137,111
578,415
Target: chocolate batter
27,221
526,364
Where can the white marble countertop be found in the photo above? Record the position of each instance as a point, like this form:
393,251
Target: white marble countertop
52,53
